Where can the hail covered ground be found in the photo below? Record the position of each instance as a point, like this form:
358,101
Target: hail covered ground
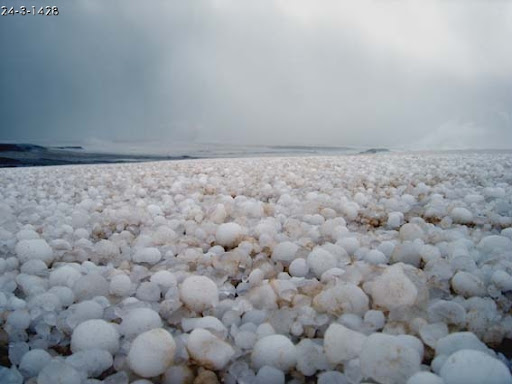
388,268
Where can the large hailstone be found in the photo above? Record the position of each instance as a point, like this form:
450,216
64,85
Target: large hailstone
199,293
151,353
95,334
319,260
34,249
389,359
285,252
229,234
208,350
393,288
276,351
139,320
342,344
474,367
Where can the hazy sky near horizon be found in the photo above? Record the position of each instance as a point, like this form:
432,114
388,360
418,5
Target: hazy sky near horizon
416,74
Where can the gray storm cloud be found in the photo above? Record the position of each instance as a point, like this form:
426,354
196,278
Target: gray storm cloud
376,73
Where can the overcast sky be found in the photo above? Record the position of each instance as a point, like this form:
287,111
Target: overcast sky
415,74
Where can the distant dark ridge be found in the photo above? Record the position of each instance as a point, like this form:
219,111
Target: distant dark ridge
70,147
373,150
310,147
29,155
7,147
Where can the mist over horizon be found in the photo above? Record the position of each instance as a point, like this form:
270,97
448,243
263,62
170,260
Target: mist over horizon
405,75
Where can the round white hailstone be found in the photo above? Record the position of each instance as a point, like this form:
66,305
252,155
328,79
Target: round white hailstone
342,298
395,220
34,249
65,295
310,357
27,234
495,244
256,277
164,278
154,210
374,319
89,286
502,280
342,344
199,293
218,214
151,353
269,375
332,377
285,252
447,312
19,319
393,288
95,334
298,268
431,333
468,285
457,341
349,244
507,232
375,257
468,367
106,249
147,255
93,362
229,234
496,193
85,310
388,359
148,291
178,374
276,351
245,339
319,260
208,350
34,267
65,276
120,285
410,232
425,378
58,372
139,320
33,362
209,323
461,215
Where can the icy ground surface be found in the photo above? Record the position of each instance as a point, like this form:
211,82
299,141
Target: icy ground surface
391,268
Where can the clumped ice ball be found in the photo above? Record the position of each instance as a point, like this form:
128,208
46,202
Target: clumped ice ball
342,344
229,234
59,372
319,260
89,286
92,334
393,288
120,285
139,320
151,353
147,255
208,350
276,351
93,362
33,362
34,249
298,268
389,359
411,231
461,215
285,252
474,367
199,293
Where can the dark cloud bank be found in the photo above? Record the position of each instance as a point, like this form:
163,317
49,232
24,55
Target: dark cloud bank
371,73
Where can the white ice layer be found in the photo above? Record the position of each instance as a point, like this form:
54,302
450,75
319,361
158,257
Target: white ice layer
394,268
